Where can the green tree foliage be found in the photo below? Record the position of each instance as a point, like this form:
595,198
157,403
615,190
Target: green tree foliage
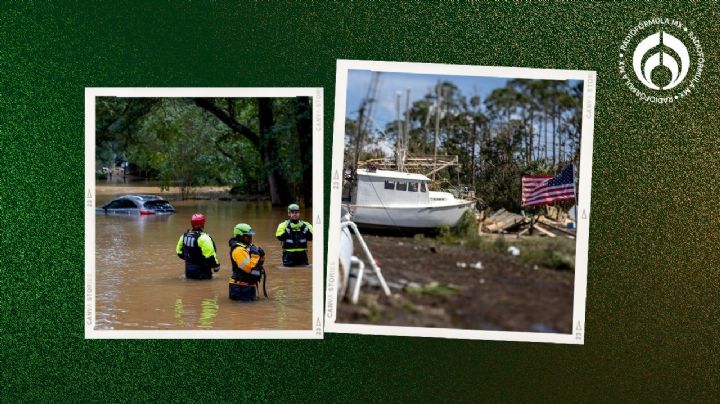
278,128
257,146
179,144
117,121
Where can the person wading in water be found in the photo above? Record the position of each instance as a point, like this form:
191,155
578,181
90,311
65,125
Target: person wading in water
198,251
294,235
247,264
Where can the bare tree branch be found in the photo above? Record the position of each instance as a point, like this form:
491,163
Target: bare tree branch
209,105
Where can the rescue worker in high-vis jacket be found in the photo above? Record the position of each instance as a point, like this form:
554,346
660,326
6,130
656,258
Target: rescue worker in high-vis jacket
247,264
294,235
198,250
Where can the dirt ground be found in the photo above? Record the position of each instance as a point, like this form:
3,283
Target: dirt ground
481,287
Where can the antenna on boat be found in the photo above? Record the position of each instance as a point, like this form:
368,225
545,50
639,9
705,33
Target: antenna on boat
402,128
438,91
406,131
398,132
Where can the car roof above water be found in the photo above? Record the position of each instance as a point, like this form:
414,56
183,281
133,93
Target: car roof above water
143,198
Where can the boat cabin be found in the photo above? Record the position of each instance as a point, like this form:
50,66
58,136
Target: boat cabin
390,188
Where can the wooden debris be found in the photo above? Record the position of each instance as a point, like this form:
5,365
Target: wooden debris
556,226
504,222
543,230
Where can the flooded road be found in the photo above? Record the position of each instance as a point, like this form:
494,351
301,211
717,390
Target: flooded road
141,285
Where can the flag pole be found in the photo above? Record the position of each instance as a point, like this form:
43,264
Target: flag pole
532,223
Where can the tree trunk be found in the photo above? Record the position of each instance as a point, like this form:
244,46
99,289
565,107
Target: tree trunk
562,145
279,190
263,142
530,137
554,156
526,157
545,125
303,124
472,156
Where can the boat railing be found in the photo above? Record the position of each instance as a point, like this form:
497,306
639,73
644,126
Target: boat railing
347,267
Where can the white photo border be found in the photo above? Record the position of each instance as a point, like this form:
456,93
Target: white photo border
577,336
315,328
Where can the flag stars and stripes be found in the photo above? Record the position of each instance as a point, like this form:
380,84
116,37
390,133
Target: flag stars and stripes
545,189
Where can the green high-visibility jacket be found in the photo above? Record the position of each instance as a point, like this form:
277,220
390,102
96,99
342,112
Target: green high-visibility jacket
294,236
204,245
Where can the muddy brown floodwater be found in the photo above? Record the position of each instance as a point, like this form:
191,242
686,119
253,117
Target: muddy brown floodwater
141,285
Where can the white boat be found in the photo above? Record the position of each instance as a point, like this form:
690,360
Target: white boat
396,199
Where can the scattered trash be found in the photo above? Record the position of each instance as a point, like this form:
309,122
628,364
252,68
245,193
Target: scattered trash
540,327
473,265
434,289
395,285
401,243
535,267
514,250
482,280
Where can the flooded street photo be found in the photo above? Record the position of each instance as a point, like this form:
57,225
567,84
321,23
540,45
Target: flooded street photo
141,284
184,177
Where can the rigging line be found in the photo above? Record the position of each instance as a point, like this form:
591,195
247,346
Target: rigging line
383,205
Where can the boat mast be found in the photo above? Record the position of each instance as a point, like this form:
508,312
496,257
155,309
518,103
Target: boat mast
358,137
401,130
399,158
406,128
364,118
438,90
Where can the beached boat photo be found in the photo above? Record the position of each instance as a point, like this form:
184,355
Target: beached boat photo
383,198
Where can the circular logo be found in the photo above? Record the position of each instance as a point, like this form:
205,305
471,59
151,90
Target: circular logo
661,60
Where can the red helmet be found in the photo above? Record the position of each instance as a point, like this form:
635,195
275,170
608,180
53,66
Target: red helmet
197,220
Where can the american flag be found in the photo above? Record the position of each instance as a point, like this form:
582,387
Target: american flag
546,189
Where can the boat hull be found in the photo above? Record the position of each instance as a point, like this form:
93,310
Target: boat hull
411,217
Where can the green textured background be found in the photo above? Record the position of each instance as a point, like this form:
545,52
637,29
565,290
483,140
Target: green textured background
652,303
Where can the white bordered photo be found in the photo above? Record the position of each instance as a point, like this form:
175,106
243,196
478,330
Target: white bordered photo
460,201
203,213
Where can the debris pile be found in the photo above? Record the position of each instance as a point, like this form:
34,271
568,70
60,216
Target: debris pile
504,222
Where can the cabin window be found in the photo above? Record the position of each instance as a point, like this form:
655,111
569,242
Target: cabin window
413,187
389,184
401,186
422,187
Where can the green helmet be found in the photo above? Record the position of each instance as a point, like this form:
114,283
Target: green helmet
293,206
243,229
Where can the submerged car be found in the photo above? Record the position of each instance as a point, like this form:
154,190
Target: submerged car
138,205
